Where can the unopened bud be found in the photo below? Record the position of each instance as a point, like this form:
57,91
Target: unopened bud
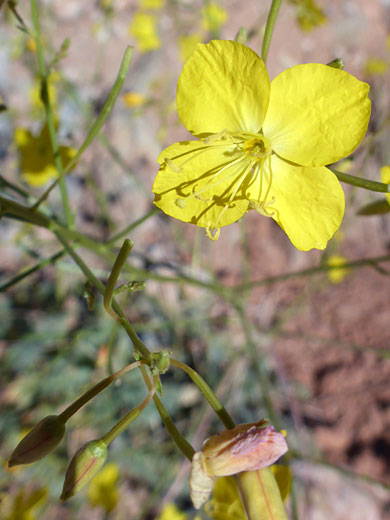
84,465
337,63
39,442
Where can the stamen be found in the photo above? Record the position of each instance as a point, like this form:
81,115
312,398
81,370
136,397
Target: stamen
172,165
208,186
215,137
212,232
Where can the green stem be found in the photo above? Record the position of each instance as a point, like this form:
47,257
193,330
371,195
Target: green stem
132,226
176,436
32,270
362,183
95,390
262,375
131,416
212,399
114,275
272,15
138,345
183,445
105,112
49,114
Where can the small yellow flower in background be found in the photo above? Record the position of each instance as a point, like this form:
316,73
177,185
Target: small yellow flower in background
134,99
143,29
31,45
261,145
35,91
187,45
23,505
213,17
152,4
385,178
36,156
375,67
246,447
309,14
171,512
103,489
337,275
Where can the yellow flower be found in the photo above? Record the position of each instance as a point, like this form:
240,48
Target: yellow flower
24,503
309,14
35,91
152,4
144,31
262,145
187,45
385,177
246,447
36,156
133,99
337,275
103,489
375,67
171,512
213,17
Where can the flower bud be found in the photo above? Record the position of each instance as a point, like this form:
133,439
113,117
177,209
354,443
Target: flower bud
247,447
39,442
85,463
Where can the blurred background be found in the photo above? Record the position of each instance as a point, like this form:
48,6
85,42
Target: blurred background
310,351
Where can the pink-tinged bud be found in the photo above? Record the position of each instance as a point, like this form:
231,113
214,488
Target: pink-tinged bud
39,442
84,465
247,447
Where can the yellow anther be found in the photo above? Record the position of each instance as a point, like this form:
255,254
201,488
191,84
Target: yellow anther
212,232
181,203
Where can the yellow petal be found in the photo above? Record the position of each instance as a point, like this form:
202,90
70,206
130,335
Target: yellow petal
196,181
317,114
224,85
308,203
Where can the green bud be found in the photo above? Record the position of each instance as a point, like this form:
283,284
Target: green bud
337,63
39,442
242,35
84,465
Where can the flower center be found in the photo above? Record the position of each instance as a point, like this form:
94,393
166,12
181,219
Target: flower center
257,148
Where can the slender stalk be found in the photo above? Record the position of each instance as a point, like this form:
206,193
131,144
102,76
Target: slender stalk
183,445
105,112
131,416
212,399
49,114
36,267
114,275
95,390
271,19
132,226
176,436
380,187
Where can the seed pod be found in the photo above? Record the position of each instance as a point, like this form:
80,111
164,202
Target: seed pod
84,465
39,442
